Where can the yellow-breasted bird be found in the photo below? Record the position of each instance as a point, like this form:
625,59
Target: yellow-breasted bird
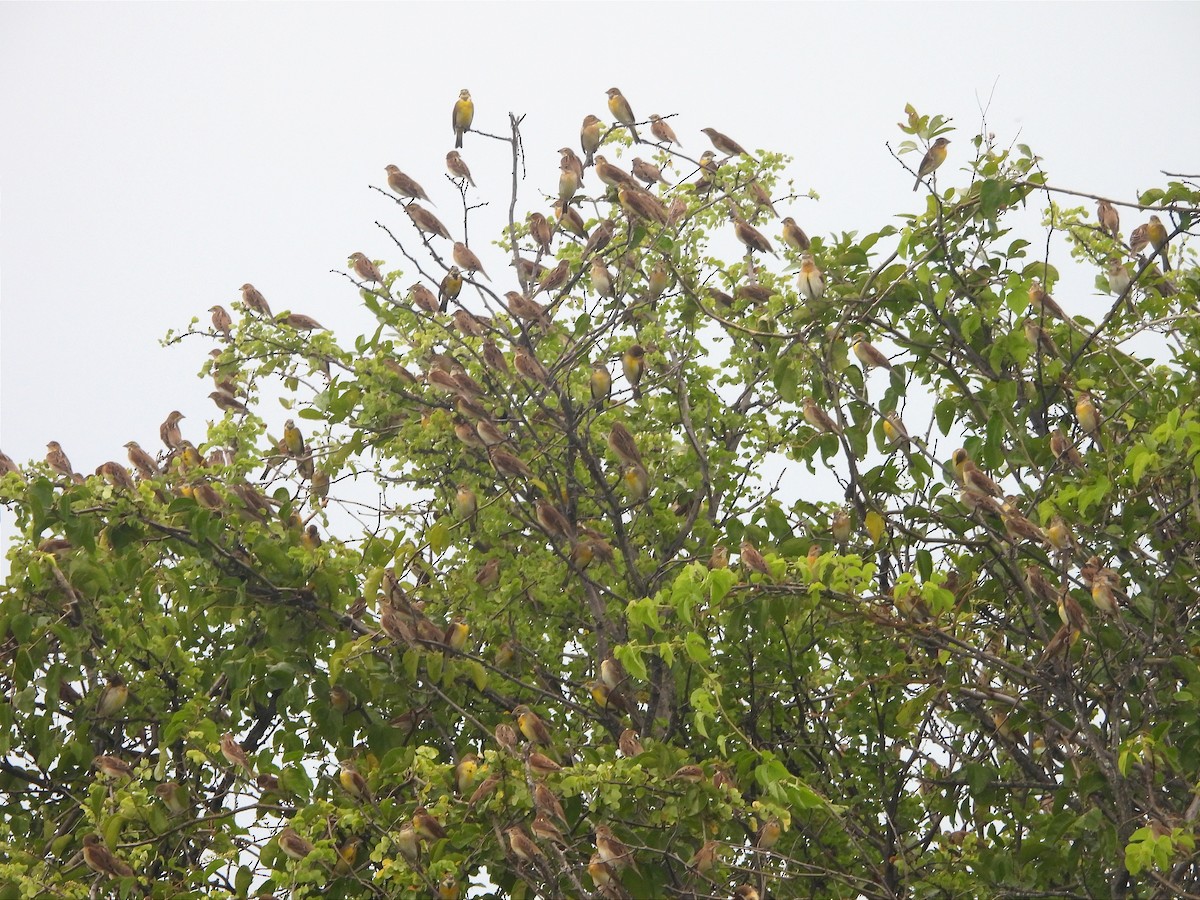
113,697
293,441
532,726
633,365
794,236
637,482
1110,220
457,167
661,130
450,288
352,782
405,186
462,117
568,183
426,826
1086,414
811,282
870,357
589,138
619,107
1153,233
600,382
894,430
934,157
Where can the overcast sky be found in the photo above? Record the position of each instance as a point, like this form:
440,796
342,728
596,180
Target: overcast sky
153,157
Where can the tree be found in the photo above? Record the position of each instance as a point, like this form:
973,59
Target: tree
508,602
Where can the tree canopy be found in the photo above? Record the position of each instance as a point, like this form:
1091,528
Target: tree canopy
501,598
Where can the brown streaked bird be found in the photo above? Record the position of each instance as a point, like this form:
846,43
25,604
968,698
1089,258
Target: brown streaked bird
116,475
633,365
234,754
301,322
423,298
611,850
450,288
723,143
522,847
745,892
647,172
426,222
600,238
529,367
545,830
975,479
867,355
405,186
629,744
541,765
173,796
568,160
589,138
569,220
601,278
751,237
57,460
640,204
462,116
719,558
539,230
7,464
113,767
553,522
1017,526
612,175
1109,218
468,324
506,737
1042,303
1040,338
292,844
493,357
661,130
552,279
752,559
934,157
466,259
762,199
547,803
526,310
1038,586
690,774
227,402
818,418
810,282
1153,233
508,465
619,107
623,444
100,859
1086,414
794,236
1119,278
705,858
457,167
221,320
426,826
253,300
1064,451
141,460
365,268
1071,613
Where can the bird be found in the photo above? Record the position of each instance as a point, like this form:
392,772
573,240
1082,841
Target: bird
811,281
551,280
423,298
568,160
589,138
426,222
600,238
553,522
894,430
769,833
57,460
506,737
705,858
1042,303
365,268
719,558
637,482
723,143
623,444
1110,220
493,357
661,130
641,205
507,464
458,167
466,259
818,418
868,355
840,524
1058,533
522,847
611,850
1153,233
545,830
113,767
600,382
1064,451
629,744
752,559
450,287
352,781
1119,278
173,796
540,231
227,402
751,237
254,301
141,460
619,107
462,117
221,320
100,859
612,175
1040,338
532,726
406,186
934,157
647,172
762,199
794,236
568,183
633,365
690,774
542,765
601,278
292,844
977,480
528,366
1086,414
234,754
426,826
300,322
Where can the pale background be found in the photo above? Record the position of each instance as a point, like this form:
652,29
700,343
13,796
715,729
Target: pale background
153,157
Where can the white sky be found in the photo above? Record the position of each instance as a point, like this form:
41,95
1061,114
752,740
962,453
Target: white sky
153,157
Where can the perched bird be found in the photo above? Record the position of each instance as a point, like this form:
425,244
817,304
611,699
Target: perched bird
1119,278
601,278
1110,220
600,382
974,478
751,237
637,482
450,288
569,220
640,204
552,279
612,175
1042,303
1040,338
423,298
723,143
493,357
234,754
545,830
868,355
752,559
291,843
426,826
539,230
254,301
466,259
553,522
794,236
647,172
603,876
745,892
506,737
365,268
811,281
934,157
532,726
507,464
352,781
57,460
568,160
522,847
568,183
690,774
619,107
1086,414
840,524
762,199
529,367
622,443
468,324
113,767
1058,533
464,773
719,558
541,765
301,322
227,402
458,167
7,465
173,796
462,117
1106,591
661,130
600,238
221,320
100,859
769,833
610,849
405,186
818,418
633,365
589,138
426,222
705,858
141,460
1064,451
629,744
894,430
547,803
1153,233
